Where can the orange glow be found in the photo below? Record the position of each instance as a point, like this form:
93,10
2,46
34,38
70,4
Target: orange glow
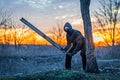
98,40
30,37
96,37
25,36
103,36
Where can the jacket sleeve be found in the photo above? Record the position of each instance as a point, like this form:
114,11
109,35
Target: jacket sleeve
72,37
68,43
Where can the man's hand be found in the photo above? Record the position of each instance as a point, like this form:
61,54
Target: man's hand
63,50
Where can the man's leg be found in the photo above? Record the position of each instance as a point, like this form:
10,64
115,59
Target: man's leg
83,55
68,61
69,58
69,55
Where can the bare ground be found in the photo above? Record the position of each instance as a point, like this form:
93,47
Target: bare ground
32,59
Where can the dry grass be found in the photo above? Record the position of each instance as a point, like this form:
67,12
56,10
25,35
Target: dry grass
30,58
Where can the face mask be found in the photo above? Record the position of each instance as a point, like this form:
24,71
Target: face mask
66,28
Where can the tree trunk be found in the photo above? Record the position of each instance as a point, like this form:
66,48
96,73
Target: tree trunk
91,59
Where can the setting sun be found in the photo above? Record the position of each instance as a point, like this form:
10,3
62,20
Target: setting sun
97,38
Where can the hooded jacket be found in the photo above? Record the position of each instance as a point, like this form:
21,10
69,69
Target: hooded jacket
73,36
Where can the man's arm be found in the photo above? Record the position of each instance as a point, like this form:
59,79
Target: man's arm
72,37
68,43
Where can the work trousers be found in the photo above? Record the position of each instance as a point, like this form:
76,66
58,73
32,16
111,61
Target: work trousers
72,52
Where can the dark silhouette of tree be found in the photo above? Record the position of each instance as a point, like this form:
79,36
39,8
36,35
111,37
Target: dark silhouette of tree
58,33
5,19
91,59
19,33
107,18
12,32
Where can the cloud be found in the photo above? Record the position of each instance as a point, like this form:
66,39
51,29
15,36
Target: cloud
77,21
60,6
34,3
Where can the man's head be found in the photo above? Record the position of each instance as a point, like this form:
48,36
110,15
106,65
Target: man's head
67,27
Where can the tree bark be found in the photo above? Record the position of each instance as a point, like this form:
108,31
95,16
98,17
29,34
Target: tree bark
91,59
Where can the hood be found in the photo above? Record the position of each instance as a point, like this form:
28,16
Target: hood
67,27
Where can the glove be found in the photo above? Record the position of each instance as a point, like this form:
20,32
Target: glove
63,50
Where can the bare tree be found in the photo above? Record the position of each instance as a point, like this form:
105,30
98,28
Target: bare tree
91,59
107,18
31,37
58,33
12,32
19,34
5,18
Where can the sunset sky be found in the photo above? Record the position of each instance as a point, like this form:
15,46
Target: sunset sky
46,13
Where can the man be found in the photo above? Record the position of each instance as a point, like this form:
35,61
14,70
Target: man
75,43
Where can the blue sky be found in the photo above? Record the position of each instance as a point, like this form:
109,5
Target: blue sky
45,13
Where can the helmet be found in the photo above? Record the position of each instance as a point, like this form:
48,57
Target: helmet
67,27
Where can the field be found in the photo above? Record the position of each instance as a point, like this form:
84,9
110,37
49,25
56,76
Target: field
29,59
